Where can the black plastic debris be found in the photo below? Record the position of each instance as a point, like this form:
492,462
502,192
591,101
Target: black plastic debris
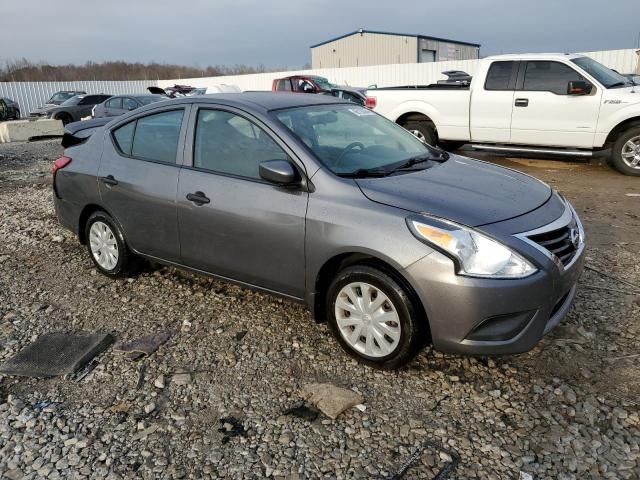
240,335
303,411
444,472
231,427
143,346
57,354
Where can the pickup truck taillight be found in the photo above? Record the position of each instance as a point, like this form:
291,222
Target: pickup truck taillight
370,102
60,164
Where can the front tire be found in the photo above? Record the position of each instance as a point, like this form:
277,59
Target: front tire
107,247
625,154
373,317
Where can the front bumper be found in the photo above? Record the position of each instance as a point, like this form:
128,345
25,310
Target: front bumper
483,316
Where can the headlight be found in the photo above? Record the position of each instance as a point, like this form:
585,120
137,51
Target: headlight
476,254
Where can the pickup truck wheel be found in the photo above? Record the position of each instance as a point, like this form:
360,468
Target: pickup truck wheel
625,154
425,131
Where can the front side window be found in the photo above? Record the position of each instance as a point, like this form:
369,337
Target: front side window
546,76
129,104
231,144
347,138
499,76
154,137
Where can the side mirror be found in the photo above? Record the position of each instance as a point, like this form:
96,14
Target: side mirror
578,87
279,171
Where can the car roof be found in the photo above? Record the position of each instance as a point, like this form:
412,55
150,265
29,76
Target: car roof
265,100
535,56
139,95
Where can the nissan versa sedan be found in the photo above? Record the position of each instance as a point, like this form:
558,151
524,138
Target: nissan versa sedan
392,242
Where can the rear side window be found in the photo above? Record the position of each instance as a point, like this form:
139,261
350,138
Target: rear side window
124,137
284,84
228,143
114,103
154,137
129,104
549,77
499,76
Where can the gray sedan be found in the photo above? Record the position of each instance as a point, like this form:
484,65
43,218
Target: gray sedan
121,104
392,242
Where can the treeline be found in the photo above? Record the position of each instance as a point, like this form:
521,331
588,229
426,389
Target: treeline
26,71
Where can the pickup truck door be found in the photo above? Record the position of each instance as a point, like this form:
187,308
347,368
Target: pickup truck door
492,104
543,112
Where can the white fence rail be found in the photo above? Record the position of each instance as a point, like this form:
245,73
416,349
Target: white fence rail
31,95
624,61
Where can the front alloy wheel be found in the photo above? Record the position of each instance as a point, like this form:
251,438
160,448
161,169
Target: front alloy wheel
625,155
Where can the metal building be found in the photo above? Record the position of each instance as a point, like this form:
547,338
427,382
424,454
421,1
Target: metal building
368,47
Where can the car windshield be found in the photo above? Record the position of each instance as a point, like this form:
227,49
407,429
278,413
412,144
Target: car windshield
323,83
604,75
61,97
352,141
148,100
73,100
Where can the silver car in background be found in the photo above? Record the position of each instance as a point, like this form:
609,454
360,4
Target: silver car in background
392,242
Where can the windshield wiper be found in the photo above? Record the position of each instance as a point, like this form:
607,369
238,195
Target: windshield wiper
365,172
442,156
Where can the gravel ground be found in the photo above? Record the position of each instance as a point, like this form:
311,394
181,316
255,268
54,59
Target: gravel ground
566,410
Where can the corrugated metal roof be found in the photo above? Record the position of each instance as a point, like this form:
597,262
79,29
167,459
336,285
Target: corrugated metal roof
395,34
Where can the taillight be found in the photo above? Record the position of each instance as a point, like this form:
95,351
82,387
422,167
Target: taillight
59,164
370,102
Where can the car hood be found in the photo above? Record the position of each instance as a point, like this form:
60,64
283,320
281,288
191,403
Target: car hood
463,190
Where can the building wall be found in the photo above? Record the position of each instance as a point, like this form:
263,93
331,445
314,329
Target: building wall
447,51
361,50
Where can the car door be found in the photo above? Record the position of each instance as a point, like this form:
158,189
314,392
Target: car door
138,177
544,114
491,106
231,222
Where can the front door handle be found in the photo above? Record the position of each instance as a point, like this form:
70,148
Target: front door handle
109,180
198,198
522,102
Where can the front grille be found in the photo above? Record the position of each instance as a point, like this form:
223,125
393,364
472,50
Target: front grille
562,242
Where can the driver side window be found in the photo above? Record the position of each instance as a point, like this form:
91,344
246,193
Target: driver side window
230,144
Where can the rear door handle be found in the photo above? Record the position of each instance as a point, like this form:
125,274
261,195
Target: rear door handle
198,198
522,102
109,180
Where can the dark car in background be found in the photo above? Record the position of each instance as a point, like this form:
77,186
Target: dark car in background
121,104
395,243
318,85
12,109
71,110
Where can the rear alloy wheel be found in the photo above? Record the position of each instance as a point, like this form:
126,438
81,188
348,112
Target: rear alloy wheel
373,318
107,247
625,155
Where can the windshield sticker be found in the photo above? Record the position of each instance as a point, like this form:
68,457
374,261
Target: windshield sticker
361,112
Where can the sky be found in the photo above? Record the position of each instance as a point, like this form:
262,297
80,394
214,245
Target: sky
278,33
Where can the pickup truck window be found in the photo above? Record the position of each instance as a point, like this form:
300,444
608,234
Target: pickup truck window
544,76
500,75
604,75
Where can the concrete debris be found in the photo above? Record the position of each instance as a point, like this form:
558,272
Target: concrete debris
329,399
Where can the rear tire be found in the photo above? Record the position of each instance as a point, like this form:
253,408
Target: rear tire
107,247
373,318
64,118
625,153
423,130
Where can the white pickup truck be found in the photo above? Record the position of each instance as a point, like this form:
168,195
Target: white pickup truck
543,103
